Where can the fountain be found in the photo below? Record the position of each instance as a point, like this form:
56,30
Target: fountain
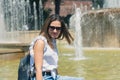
96,28
2,30
111,3
75,23
15,20
100,28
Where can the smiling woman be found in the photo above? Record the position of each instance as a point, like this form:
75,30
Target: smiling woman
54,29
44,52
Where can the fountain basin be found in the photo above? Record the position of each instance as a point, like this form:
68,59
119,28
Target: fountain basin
9,51
100,28
18,47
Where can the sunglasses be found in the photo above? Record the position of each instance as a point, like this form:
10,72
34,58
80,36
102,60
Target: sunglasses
53,28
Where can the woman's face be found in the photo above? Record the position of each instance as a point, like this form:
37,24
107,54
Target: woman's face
54,29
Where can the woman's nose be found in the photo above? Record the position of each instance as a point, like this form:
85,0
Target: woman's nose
54,30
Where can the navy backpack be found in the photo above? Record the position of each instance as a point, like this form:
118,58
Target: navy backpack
24,72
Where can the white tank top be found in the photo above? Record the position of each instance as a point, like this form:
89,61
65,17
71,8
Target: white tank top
50,58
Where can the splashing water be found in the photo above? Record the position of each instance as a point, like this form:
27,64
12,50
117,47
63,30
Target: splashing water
76,24
15,19
111,3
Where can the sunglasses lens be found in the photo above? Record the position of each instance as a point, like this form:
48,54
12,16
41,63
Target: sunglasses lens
58,28
53,28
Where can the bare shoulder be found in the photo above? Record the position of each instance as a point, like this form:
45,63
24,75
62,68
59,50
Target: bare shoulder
39,42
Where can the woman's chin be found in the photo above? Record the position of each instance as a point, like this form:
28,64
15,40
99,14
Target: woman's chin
54,37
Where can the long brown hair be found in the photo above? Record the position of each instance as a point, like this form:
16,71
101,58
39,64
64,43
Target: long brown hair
64,31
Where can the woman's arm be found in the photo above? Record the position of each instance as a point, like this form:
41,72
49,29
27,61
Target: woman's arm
38,56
